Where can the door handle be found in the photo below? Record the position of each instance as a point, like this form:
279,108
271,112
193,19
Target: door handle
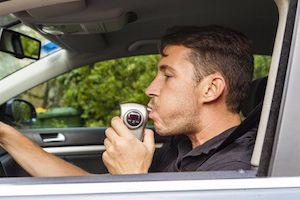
53,137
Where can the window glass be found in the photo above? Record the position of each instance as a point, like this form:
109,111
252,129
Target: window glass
89,96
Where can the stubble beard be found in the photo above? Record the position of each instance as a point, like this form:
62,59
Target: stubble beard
177,126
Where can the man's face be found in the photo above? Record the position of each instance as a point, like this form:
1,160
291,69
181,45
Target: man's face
174,98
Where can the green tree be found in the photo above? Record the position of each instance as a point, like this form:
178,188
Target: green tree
97,91
261,66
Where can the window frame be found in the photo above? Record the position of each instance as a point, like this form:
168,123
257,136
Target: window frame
165,177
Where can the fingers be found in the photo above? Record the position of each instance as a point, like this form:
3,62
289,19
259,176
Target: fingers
149,141
107,144
109,147
107,162
5,125
105,157
127,155
120,128
111,135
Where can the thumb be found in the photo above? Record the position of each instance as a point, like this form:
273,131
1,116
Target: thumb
149,139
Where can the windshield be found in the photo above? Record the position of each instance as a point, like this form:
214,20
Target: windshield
9,64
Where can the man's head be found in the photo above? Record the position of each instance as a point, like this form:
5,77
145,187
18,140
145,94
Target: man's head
203,70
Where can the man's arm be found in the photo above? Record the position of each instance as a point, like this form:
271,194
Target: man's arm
32,158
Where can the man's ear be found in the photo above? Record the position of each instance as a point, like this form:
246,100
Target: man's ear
213,87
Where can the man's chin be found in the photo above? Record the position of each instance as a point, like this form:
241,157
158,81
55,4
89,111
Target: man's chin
159,130
163,132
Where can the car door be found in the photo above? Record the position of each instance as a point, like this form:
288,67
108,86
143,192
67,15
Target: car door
80,146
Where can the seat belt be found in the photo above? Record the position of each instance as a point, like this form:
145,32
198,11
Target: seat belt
250,122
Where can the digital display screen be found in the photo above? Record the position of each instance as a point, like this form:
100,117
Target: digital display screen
134,117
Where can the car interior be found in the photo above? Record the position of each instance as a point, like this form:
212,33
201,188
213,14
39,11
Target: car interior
90,31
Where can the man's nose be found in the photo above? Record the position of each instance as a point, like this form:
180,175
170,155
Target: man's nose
153,89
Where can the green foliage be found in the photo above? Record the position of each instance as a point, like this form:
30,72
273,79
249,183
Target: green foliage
261,66
97,91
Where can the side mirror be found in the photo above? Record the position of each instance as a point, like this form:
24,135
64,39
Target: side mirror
18,112
19,45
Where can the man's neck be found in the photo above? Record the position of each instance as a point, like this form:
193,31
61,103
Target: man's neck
213,127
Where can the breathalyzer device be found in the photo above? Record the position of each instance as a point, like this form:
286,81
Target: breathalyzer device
135,117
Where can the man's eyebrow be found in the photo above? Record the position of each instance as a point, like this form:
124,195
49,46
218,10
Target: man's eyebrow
164,67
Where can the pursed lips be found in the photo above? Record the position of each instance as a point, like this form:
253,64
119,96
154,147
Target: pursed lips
150,110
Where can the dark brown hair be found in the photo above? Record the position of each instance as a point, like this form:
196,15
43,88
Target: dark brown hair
216,49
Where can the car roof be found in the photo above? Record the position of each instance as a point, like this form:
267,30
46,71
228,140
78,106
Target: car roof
123,28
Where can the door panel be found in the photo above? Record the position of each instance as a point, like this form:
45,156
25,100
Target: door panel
81,146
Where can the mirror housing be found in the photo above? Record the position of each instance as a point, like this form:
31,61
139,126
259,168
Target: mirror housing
18,112
19,45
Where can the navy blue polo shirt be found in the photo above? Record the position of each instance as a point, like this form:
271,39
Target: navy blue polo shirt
178,154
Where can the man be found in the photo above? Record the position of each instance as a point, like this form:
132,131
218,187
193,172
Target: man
202,77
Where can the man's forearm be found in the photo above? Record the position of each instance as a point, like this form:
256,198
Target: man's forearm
34,159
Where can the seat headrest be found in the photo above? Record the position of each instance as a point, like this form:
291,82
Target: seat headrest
256,94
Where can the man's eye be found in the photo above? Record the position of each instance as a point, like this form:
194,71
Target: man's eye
168,76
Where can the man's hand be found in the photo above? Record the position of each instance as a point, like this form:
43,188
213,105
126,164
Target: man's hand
125,154
5,129
2,125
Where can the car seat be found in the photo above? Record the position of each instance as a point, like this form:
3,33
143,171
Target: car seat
251,110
